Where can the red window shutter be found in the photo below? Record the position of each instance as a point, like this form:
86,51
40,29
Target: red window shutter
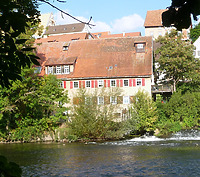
134,83
143,81
83,83
108,83
105,85
80,86
71,85
64,84
96,84
118,83
121,83
130,82
92,84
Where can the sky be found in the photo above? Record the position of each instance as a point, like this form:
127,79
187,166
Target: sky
116,16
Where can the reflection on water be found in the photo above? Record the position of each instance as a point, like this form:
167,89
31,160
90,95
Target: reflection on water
122,158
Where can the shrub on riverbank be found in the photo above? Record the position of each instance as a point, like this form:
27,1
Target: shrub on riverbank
182,111
31,106
143,113
92,120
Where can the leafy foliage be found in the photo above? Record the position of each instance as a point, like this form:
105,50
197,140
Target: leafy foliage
92,121
178,14
182,111
9,169
195,33
176,59
143,111
30,107
15,17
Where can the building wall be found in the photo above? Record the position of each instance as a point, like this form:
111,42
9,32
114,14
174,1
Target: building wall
156,31
197,50
129,90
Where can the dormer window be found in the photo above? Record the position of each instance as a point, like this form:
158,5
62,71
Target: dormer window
58,69
66,46
50,70
140,47
66,69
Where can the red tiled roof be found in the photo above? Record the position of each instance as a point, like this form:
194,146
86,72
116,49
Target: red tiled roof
154,18
113,57
63,37
60,61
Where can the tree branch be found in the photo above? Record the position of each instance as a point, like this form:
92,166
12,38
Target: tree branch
86,23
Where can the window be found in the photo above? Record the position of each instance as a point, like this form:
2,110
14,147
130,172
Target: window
198,53
87,84
61,84
66,69
50,70
38,70
139,82
113,100
100,83
65,48
58,69
76,84
88,100
100,100
126,83
140,47
113,83
126,100
99,35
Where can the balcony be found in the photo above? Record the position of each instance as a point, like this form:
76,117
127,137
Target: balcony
161,88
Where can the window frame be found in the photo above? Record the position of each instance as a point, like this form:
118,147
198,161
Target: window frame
114,82
74,82
100,102
58,68
138,47
126,99
50,68
86,84
137,81
66,69
127,82
100,83
113,100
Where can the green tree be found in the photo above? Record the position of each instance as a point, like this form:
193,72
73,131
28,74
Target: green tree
143,113
31,106
179,13
92,121
176,61
15,16
195,33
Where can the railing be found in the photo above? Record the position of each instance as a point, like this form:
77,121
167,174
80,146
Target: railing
161,88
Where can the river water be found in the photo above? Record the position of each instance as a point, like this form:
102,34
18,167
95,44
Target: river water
178,156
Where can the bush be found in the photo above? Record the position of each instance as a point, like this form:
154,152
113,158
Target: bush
92,121
143,113
182,111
